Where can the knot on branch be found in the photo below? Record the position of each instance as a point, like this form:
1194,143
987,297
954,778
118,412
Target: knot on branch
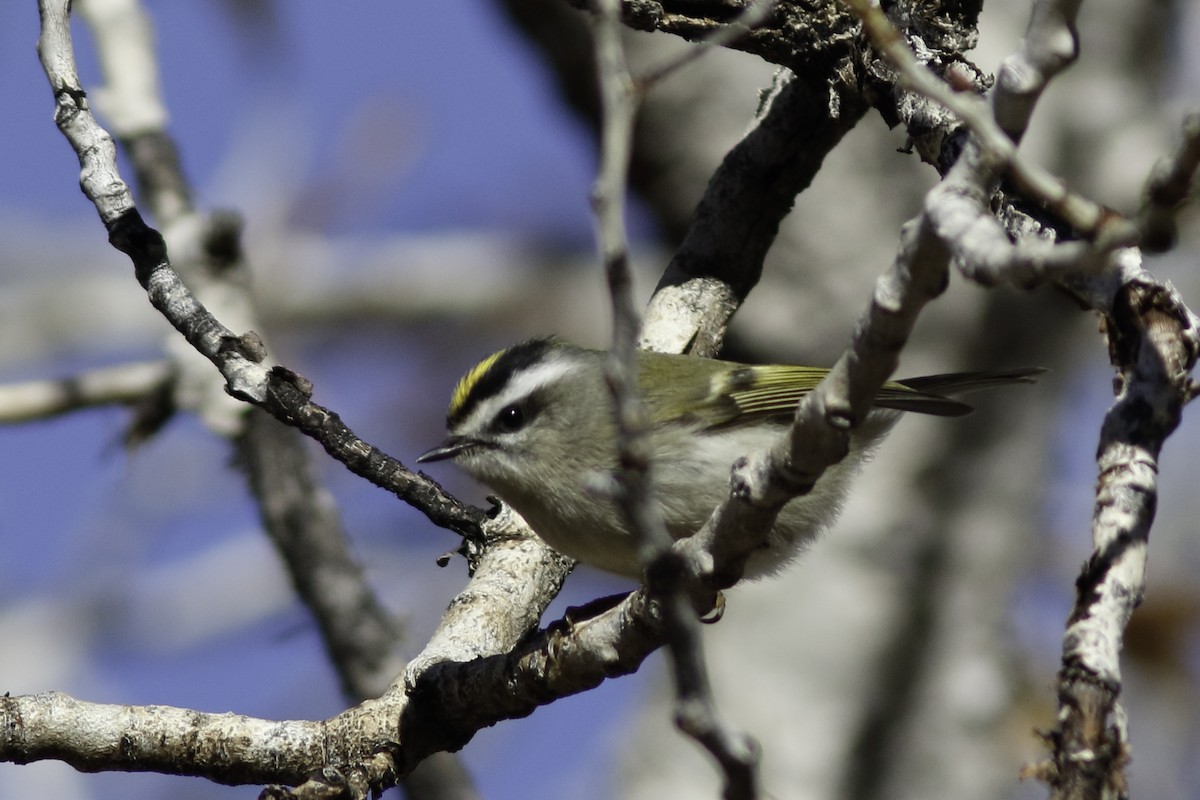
329,783
1152,335
145,247
284,378
70,100
1089,746
249,346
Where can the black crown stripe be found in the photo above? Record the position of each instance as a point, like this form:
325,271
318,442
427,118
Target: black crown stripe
489,377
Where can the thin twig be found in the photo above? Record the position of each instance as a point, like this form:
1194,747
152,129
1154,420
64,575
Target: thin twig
286,395
751,17
619,107
1089,219
667,578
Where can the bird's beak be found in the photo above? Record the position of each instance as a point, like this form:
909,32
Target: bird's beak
453,446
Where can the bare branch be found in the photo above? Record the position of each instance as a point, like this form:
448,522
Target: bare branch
457,683
1050,45
225,748
283,393
566,658
667,578
132,100
1154,342
297,512
378,740
1169,185
750,18
806,40
959,210
735,224
124,384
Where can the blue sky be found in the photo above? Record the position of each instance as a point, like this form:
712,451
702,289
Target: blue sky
444,98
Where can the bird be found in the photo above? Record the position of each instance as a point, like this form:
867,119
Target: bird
535,423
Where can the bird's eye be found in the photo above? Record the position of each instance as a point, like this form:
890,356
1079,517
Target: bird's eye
511,418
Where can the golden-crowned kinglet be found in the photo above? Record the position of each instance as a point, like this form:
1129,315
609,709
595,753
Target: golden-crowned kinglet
535,423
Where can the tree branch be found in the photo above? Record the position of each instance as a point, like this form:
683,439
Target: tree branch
125,384
805,38
1153,343
284,394
666,576
959,208
373,743
1168,187
737,220
298,513
753,15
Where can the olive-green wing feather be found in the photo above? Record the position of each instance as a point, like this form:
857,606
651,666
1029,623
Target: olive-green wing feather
712,394
775,391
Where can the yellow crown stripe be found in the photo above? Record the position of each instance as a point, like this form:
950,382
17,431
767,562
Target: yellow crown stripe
463,390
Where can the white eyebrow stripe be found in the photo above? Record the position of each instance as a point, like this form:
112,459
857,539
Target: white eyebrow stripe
519,385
